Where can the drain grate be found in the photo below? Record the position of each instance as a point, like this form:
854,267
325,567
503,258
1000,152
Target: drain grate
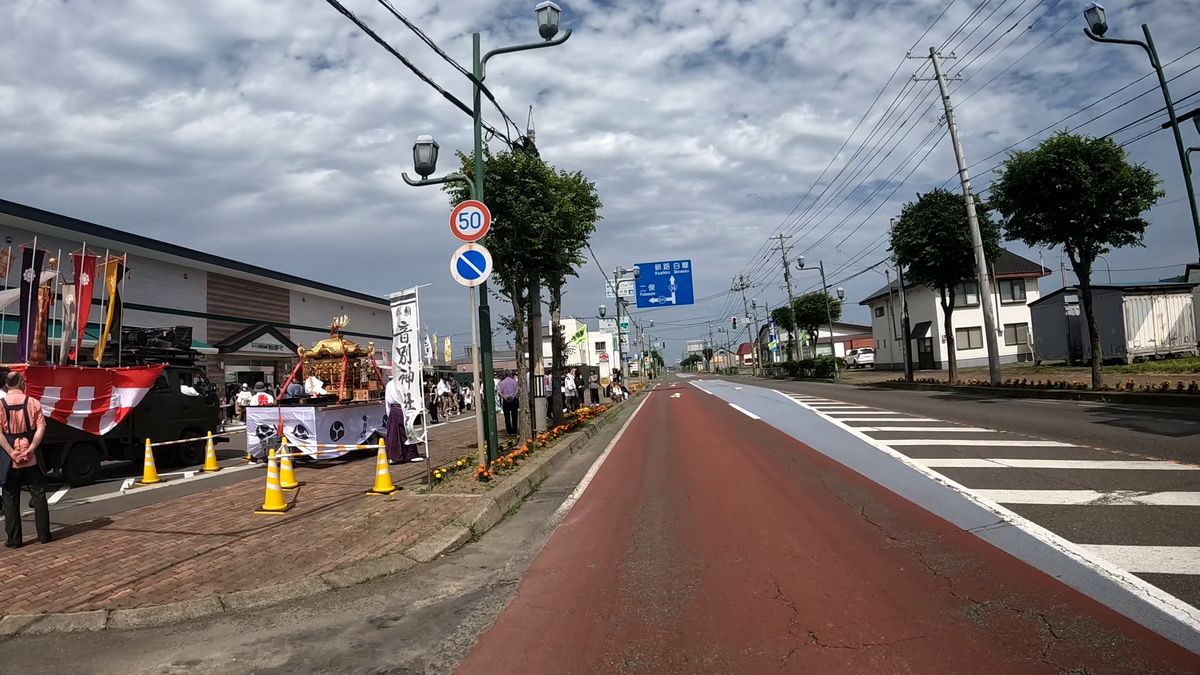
549,495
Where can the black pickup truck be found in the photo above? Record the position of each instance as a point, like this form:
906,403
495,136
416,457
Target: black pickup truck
165,413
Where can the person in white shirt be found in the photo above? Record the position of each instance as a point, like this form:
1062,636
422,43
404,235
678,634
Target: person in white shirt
261,396
313,386
396,444
242,400
443,397
571,390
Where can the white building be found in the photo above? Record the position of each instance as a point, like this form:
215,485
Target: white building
1014,286
846,336
590,347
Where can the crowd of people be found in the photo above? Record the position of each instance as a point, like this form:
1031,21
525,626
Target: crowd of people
576,391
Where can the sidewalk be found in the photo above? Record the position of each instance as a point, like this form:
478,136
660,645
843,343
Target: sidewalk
212,542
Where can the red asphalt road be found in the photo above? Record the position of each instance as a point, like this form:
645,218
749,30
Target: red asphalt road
713,543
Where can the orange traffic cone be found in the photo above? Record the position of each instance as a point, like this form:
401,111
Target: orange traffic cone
383,475
149,473
273,503
287,477
210,457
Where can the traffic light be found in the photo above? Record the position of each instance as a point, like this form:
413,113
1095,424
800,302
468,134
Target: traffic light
735,323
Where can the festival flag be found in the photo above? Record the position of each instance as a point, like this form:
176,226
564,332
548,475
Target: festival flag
580,336
112,270
428,350
37,356
31,272
85,278
448,352
6,261
94,400
67,334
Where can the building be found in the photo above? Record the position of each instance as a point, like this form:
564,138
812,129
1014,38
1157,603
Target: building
1014,285
745,355
247,319
584,347
846,336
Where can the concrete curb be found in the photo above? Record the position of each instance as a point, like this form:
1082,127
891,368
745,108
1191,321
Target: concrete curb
1128,397
470,524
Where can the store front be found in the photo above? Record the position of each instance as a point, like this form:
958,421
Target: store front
260,353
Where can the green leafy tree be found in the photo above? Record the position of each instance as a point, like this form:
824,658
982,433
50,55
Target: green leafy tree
1079,194
691,360
708,357
783,318
815,310
932,239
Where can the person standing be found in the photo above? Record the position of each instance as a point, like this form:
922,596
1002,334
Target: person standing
261,396
243,401
396,444
22,428
572,390
594,388
443,397
431,403
295,389
511,404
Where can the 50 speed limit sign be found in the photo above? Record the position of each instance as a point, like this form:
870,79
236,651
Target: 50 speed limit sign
470,220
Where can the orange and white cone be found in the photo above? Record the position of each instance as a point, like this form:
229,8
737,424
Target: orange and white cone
287,477
210,457
383,474
273,503
149,472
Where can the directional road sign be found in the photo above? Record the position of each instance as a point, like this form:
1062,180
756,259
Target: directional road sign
665,284
470,220
625,286
471,265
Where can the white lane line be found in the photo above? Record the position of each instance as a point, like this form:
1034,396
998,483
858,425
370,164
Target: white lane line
971,441
838,406
1091,497
565,507
62,491
745,412
1151,559
961,430
848,413
1151,594
842,418
1078,464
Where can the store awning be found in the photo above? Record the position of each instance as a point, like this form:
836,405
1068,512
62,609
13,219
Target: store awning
259,340
920,330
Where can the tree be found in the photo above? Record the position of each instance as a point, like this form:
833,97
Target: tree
932,239
815,310
1080,194
691,360
782,316
708,357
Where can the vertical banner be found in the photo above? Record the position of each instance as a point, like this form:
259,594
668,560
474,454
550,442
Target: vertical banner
31,273
85,277
41,337
406,365
112,269
428,350
67,333
6,261
448,351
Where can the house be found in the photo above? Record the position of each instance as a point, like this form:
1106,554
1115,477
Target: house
745,355
1014,285
584,347
846,336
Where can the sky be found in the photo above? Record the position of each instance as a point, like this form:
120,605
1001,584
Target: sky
275,132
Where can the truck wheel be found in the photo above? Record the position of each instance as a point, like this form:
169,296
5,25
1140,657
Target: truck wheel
190,454
81,465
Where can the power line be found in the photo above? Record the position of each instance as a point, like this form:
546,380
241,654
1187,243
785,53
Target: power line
1019,59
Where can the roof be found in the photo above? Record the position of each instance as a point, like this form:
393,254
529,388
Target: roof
132,242
247,335
1008,266
1135,287
745,349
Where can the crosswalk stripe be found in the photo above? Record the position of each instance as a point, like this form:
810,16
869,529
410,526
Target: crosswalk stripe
974,441
1091,497
1150,559
921,430
840,418
1085,464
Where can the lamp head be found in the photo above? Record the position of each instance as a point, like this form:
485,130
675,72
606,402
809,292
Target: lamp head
603,311
425,155
841,293
1096,19
548,15
800,262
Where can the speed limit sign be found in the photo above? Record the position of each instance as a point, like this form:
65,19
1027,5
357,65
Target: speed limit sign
470,220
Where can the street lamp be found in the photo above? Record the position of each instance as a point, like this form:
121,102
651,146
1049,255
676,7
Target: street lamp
1097,26
837,372
425,161
603,311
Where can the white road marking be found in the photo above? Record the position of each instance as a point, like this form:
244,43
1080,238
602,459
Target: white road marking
62,491
1151,559
745,412
1078,464
1091,497
843,418
973,430
838,406
674,395
966,441
1151,594
565,507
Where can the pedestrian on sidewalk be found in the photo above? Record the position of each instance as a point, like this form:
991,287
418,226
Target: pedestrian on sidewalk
22,428
398,449
243,401
572,390
509,401
594,388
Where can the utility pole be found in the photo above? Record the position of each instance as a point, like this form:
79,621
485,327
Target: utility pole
787,278
981,267
905,329
742,285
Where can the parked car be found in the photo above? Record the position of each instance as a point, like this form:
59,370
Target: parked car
860,358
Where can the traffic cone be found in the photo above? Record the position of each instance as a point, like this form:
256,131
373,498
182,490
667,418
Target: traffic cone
287,477
149,473
383,475
210,457
273,503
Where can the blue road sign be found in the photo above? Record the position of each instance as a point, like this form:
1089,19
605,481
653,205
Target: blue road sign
471,265
665,284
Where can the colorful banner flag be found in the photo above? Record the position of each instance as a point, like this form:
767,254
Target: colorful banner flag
580,336
37,356
448,352
31,272
67,334
112,270
428,350
94,400
6,261
85,278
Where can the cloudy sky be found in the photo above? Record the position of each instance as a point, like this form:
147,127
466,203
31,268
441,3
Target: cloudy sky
275,132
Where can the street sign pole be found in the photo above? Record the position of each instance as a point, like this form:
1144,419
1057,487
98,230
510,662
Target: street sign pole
477,394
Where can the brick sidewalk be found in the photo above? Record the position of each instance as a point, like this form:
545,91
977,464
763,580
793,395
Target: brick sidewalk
211,542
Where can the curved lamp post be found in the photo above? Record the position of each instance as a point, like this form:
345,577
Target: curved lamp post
1097,21
837,372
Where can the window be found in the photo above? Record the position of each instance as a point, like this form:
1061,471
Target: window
966,294
1012,290
1016,334
601,346
879,311
883,344
968,338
